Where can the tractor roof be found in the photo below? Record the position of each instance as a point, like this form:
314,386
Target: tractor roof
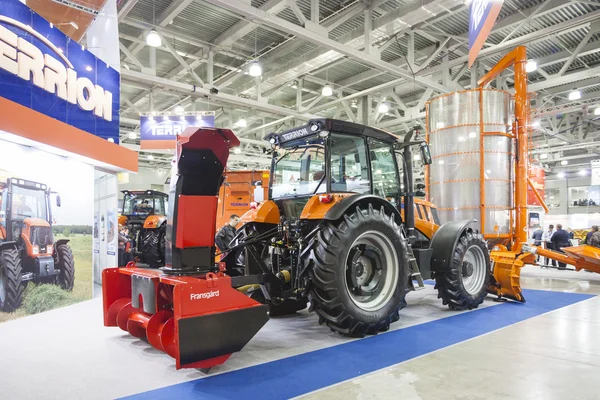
314,126
142,192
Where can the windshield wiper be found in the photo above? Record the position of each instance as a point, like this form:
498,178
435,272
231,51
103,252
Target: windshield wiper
320,183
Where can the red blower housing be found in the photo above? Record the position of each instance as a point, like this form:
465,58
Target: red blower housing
188,308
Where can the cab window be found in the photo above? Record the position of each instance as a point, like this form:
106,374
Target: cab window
349,167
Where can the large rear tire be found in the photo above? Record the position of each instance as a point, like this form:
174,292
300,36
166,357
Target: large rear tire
66,264
153,247
11,284
358,272
464,285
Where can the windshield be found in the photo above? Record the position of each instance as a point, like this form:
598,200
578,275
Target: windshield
299,171
143,204
28,203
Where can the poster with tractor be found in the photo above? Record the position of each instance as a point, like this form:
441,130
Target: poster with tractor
45,231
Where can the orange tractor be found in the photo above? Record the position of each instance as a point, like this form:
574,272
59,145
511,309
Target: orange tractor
28,251
239,190
341,229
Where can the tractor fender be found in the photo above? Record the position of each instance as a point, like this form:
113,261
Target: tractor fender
444,241
341,207
154,221
8,246
60,242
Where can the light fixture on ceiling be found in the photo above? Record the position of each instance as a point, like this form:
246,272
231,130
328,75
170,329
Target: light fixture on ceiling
153,39
583,172
597,111
536,124
150,157
237,150
564,162
530,66
543,156
255,69
383,108
242,123
561,175
574,94
327,90
132,135
179,110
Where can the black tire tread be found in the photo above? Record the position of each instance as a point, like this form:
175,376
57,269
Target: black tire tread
66,277
322,254
449,284
151,247
10,261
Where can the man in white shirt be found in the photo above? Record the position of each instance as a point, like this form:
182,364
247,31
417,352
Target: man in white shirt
547,238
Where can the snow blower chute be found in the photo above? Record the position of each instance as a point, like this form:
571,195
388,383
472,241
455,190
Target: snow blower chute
187,308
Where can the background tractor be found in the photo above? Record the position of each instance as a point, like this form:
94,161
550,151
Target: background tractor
144,214
342,230
28,251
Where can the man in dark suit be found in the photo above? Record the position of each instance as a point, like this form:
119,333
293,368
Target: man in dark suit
560,239
589,234
537,239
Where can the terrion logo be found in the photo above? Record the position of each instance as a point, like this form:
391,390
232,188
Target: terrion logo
205,295
22,58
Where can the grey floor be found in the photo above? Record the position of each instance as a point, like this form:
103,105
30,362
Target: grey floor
68,354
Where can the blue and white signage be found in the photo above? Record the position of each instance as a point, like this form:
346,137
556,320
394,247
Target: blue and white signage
43,69
160,131
482,16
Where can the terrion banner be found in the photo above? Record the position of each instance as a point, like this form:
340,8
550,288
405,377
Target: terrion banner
482,16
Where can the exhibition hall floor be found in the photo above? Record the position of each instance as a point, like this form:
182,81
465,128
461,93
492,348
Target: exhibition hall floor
547,348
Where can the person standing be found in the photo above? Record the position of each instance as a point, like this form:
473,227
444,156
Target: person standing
547,239
560,239
537,239
589,234
227,233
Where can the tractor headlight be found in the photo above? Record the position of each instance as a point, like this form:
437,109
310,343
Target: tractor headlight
49,249
35,250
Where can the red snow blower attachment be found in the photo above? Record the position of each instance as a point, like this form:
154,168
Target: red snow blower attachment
187,308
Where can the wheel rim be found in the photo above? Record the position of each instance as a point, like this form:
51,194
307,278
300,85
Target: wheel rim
473,269
2,286
371,271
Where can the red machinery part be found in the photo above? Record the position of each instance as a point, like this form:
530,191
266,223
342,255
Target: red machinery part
184,309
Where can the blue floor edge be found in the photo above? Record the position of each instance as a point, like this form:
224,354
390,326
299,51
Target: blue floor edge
307,372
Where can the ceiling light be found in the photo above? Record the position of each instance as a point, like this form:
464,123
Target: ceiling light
564,162
544,156
583,172
111,140
132,135
383,108
327,91
561,175
530,66
597,111
242,123
255,69
574,94
237,150
150,157
537,124
179,110
153,39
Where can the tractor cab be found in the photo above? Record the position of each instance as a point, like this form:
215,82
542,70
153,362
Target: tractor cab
138,205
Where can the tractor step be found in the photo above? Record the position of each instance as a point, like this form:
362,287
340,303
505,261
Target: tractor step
416,274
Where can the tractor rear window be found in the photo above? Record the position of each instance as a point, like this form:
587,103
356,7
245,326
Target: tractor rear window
349,167
300,171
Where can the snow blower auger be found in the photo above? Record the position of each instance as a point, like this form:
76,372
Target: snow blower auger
187,308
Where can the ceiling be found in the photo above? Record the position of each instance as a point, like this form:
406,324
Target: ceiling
402,52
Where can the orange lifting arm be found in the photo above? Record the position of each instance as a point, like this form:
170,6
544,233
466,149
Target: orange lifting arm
537,195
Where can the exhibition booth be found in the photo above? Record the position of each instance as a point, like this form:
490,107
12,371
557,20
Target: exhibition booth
59,159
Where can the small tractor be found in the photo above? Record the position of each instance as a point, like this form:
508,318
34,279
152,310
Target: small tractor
341,229
144,214
28,251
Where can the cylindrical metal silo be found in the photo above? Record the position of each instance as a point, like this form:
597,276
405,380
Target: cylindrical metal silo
470,137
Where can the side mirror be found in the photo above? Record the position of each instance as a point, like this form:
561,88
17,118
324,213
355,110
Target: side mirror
420,186
420,193
58,202
425,154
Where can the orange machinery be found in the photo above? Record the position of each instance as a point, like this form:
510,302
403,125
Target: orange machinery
515,252
238,193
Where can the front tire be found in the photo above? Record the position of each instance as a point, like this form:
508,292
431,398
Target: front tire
66,264
358,272
464,285
11,284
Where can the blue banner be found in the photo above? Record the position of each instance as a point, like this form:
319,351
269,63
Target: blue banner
43,69
482,16
160,131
